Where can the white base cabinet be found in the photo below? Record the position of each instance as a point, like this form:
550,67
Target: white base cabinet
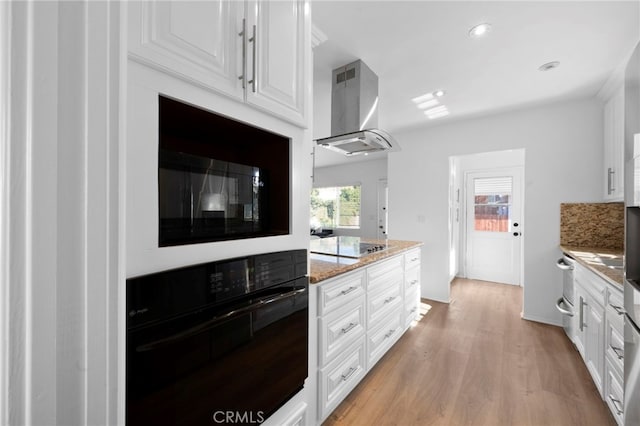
599,336
614,353
411,286
361,315
590,297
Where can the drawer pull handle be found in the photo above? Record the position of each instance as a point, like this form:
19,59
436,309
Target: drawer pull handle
415,259
619,352
413,310
617,404
347,291
619,309
390,333
348,328
350,373
412,283
389,299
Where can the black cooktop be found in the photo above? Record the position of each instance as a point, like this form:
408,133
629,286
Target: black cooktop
351,247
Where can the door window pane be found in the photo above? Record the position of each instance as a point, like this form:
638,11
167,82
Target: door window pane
492,204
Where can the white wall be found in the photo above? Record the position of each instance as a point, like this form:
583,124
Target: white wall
61,200
143,254
563,145
366,173
456,198
321,101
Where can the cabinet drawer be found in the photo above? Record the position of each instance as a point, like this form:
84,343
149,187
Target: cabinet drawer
382,338
412,258
615,347
615,309
614,392
339,329
382,302
411,306
384,273
340,377
340,291
412,279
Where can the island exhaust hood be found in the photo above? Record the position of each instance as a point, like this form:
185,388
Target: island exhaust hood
354,113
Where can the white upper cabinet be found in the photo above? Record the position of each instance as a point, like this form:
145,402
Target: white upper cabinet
276,57
614,147
197,41
253,51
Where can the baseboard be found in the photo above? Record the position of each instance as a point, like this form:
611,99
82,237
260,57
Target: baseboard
541,320
426,300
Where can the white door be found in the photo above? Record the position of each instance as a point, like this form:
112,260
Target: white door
494,227
383,210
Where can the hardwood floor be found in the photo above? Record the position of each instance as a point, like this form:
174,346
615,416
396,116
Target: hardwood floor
476,362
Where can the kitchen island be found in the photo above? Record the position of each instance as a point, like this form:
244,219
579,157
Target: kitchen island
324,266
367,294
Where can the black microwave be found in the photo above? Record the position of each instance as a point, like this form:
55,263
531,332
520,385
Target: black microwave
219,179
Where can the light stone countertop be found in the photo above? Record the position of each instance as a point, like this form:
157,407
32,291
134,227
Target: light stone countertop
323,267
590,257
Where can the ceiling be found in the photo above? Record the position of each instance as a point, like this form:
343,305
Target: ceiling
416,47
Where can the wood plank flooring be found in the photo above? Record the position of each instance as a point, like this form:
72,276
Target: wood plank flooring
476,362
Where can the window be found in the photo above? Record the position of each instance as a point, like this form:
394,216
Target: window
336,207
492,199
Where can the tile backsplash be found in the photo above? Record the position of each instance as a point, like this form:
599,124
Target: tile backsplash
598,225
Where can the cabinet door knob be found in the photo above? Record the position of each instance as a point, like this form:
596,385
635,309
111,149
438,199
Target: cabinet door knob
515,234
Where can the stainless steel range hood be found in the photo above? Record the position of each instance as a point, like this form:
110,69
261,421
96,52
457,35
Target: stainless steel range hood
354,113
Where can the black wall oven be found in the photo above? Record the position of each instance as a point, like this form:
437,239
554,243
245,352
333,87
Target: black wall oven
217,342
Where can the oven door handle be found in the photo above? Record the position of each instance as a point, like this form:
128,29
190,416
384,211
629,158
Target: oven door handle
559,306
563,265
215,320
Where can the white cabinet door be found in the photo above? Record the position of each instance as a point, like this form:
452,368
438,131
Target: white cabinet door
594,342
614,147
196,41
276,62
255,51
579,337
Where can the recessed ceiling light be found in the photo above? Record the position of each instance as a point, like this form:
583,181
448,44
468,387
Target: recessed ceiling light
439,93
549,66
479,30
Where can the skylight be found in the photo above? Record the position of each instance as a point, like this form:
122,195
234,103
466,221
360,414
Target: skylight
431,104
